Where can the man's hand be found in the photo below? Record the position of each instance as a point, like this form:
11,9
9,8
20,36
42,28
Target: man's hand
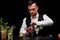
33,23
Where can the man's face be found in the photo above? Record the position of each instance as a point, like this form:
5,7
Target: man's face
33,9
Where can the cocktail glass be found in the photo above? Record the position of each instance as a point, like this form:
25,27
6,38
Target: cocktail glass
3,34
37,30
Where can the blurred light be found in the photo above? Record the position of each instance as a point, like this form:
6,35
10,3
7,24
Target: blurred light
59,35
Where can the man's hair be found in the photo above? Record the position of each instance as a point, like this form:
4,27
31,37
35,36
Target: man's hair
30,2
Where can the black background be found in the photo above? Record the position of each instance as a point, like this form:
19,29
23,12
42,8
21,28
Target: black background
14,11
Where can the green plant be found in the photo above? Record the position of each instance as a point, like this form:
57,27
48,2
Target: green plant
0,24
5,24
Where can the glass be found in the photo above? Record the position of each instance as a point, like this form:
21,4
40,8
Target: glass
10,36
10,33
37,30
3,34
28,30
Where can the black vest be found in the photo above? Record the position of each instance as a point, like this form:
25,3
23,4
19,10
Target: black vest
28,20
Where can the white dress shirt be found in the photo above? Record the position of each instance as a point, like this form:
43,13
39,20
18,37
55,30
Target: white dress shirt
45,22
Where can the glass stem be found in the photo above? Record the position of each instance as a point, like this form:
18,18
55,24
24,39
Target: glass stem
36,34
27,35
32,34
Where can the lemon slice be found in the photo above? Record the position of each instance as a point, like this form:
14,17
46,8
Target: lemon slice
41,27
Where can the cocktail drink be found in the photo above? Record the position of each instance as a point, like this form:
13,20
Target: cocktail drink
28,30
10,34
3,34
37,30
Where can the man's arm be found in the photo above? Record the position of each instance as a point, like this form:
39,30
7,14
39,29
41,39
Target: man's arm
46,21
22,29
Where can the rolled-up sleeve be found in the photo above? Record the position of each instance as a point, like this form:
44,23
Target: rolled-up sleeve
46,21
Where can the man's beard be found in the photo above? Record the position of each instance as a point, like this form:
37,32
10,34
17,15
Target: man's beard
34,14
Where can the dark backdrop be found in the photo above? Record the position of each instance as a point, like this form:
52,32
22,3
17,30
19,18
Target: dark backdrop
14,12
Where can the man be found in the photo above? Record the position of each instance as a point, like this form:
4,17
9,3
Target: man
35,19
